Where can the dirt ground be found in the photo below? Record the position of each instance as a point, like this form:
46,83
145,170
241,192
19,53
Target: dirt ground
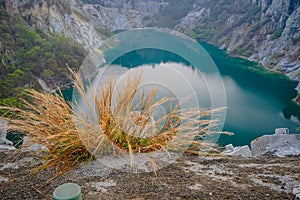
190,177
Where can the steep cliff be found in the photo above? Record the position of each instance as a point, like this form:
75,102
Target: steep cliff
87,24
122,14
266,31
28,55
56,17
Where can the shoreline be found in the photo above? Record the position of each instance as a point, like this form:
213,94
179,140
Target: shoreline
268,69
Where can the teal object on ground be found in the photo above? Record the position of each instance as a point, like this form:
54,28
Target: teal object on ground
67,191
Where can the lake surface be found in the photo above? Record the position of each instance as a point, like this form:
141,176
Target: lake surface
258,101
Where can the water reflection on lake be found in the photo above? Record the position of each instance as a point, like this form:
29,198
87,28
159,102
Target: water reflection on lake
257,101
250,112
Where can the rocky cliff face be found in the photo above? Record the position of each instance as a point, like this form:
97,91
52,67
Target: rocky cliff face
85,23
122,14
266,31
56,17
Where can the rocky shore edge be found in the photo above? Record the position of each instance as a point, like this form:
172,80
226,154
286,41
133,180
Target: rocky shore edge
280,144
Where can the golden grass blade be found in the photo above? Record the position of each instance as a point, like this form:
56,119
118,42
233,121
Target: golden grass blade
115,120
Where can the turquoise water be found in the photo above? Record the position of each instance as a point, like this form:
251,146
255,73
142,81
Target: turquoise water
258,101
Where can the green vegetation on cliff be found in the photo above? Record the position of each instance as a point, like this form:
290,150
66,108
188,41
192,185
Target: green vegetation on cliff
26,54
215,27
172,14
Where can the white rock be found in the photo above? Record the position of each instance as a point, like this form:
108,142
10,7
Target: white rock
243,151
102,186
296,191
34,146
38,148
3,132
3,179
196,187
278,145
281,131
229,147
6,141
6,147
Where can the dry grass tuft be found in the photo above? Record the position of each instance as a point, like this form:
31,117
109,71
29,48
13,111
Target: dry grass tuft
48,120
114,120
123,121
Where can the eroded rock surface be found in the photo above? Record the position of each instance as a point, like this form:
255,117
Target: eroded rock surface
279,145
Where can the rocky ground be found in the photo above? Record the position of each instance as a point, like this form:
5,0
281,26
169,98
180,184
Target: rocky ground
190,177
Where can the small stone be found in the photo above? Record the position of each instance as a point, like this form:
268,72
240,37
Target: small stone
3,179
229,147
102,186
3,132
296,191
34,146
281,131
6,147
243,151
195,187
